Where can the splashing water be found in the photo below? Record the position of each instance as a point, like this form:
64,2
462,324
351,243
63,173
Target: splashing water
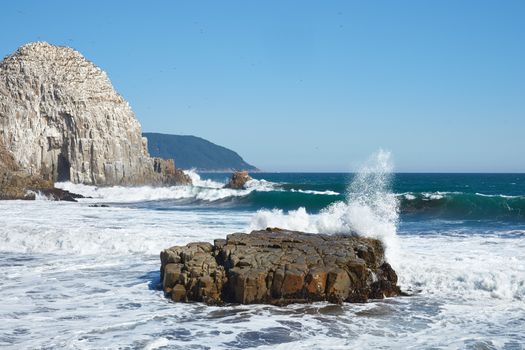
370,210
197,181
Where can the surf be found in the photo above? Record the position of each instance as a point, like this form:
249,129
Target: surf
370,209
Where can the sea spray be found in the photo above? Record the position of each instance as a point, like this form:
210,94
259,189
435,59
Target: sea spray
197,181
370,209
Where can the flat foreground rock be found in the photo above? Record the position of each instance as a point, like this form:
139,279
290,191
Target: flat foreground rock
276,266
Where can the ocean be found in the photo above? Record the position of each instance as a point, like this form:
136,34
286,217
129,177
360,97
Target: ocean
82,277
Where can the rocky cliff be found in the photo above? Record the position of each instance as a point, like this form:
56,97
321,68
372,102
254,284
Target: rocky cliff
62,120
278,267
18,184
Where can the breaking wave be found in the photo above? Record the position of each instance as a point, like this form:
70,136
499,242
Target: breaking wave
460,205
313,199
203,190
370,209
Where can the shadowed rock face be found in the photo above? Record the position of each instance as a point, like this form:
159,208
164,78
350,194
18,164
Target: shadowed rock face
62,120
278,267
17,184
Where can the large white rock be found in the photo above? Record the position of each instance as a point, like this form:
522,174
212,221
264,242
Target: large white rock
61,118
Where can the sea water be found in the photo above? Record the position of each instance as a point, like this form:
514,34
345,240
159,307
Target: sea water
82,277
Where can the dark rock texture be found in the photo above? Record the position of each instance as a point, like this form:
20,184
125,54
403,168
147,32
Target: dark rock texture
278,267
58,194
238,180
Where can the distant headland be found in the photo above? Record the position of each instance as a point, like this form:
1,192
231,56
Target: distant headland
192,152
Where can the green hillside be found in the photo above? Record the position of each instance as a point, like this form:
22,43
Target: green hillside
191,152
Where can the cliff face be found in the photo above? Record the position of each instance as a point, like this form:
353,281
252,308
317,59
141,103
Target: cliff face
16,184
62,120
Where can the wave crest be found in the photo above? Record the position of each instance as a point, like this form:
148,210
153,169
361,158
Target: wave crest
370,209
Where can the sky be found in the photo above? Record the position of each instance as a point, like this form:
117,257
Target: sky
309,85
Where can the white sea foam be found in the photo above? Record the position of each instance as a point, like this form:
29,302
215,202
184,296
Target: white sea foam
325,193
261,185
72,276
147,193
196,180
434,195
370,210
157,344
75,228
119,194
476,267
39,196
409,196
202,190
497,195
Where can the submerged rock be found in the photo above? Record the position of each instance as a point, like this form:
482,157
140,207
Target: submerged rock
238,180
58,194
62,120
278,267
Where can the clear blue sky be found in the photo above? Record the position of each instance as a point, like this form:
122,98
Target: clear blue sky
309,85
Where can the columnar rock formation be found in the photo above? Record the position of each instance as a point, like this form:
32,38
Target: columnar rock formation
62,120
15,184
278,267
18,184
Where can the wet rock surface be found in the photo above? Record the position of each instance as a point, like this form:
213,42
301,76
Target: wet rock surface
238,180
276,266
58,194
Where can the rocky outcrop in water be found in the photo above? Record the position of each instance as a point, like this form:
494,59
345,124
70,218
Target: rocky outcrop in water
278,267
238,180
61,119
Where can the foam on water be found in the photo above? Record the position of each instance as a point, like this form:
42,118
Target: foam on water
202,190
196,180
327,192
80,277
477,267
261,185
370,210
72,276
119,194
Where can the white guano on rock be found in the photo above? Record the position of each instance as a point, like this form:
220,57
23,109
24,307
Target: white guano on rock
61,119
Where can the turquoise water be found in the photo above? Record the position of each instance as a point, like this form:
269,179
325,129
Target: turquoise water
81,277
484,197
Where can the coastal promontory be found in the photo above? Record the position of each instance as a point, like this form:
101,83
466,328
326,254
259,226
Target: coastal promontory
62,120
192,152
275,266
